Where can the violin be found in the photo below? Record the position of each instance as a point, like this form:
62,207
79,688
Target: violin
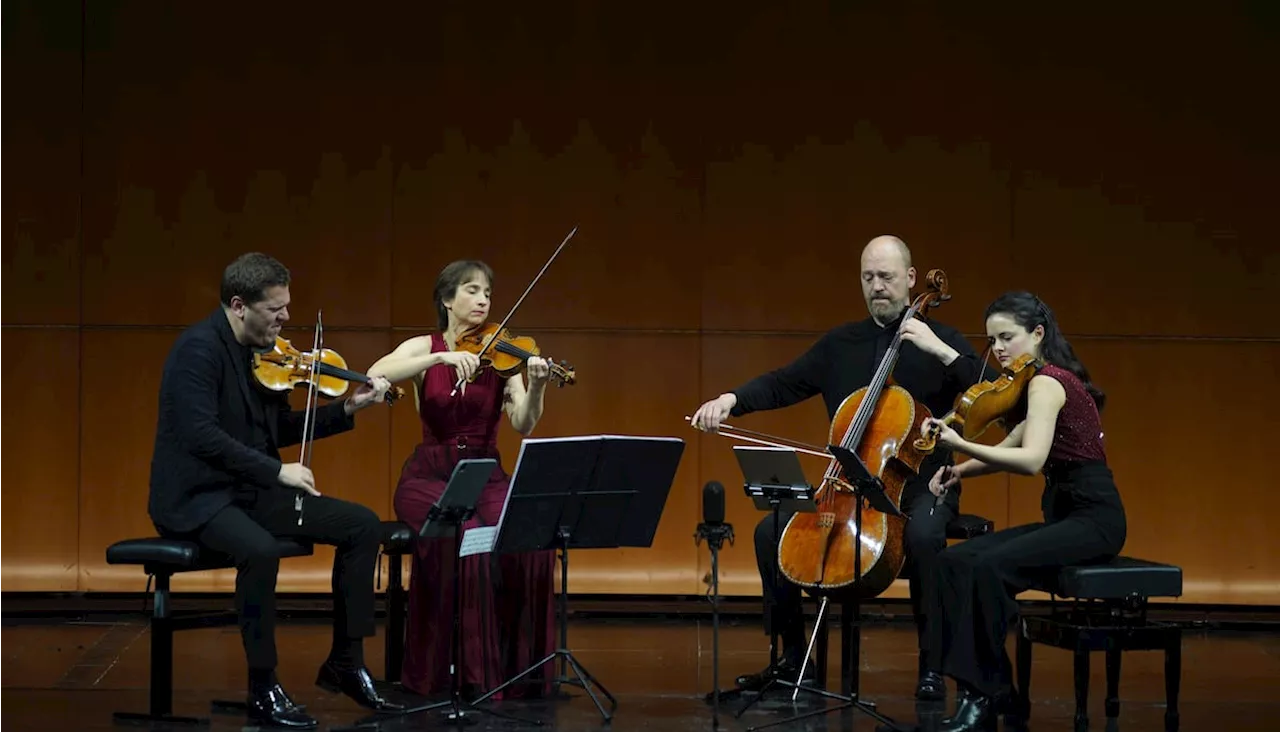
985,403
284,367
508,354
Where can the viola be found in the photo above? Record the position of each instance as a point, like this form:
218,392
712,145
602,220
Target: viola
513,352
284,367
985,403
508,354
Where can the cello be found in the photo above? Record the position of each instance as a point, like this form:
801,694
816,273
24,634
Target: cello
816,550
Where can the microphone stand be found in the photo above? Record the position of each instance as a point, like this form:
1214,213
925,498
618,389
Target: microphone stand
715,533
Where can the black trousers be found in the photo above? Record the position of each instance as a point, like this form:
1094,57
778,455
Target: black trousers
925,536
1084,521
246,531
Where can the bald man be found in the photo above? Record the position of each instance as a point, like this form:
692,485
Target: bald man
935,364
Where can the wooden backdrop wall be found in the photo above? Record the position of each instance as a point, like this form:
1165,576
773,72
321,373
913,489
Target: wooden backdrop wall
724,165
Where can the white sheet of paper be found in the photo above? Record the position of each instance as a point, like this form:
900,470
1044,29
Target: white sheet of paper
478,540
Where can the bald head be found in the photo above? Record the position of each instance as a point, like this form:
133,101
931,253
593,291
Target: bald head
885,246
887,277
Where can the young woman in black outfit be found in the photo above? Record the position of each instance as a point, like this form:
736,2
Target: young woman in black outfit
1058,432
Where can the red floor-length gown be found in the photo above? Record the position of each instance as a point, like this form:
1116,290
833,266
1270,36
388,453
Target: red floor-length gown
508,607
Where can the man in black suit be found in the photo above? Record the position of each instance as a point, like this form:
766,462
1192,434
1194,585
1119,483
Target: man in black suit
217,478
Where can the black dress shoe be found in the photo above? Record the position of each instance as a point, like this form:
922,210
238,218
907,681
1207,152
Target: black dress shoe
931,687
274,707
974,713
785,671
355,683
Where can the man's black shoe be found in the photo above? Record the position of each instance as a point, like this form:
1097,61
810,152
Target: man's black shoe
274,707
786,670
355,683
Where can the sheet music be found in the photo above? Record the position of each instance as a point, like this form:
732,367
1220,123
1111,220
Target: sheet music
515,474
478,540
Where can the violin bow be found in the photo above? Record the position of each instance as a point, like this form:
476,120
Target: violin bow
741,433
503,324
308,414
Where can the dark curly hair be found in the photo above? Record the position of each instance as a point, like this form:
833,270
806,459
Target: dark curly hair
1029,311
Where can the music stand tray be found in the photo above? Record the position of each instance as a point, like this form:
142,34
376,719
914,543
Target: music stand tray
774,473
586,492
460,496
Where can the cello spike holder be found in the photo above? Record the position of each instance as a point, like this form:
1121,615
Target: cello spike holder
869,488
774,481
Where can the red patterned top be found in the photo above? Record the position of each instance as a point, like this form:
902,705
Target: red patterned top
1078,432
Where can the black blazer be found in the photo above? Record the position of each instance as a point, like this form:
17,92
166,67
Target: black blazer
203,450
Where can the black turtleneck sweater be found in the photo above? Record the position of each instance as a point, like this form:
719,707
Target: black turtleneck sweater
845,359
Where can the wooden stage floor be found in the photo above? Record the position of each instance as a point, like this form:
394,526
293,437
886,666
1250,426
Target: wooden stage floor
72,672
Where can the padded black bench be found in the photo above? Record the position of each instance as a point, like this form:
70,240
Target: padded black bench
1109,613
161,559
397,541
962,527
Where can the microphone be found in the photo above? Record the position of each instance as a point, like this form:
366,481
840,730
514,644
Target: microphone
713,503
713,528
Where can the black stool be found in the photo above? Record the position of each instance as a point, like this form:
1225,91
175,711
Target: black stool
962,527
162,558
397,541
1109,614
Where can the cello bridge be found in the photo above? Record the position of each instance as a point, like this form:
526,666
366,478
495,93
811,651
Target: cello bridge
841,486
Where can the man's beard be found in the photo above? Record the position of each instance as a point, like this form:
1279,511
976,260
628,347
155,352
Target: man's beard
885,309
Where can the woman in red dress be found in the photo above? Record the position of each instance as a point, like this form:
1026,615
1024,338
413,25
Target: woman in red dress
508,610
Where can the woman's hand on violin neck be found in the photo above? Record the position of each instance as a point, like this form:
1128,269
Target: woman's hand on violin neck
918,332
371,392
465,364
713,412
539,371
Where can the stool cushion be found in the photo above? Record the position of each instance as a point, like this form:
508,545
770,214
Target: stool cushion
1119,578
397,537
968,525
175,555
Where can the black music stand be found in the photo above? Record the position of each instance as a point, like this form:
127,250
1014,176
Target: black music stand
774,480
871,489
446,517
590,492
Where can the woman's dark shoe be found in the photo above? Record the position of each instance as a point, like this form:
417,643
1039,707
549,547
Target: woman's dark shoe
931,687
974,713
